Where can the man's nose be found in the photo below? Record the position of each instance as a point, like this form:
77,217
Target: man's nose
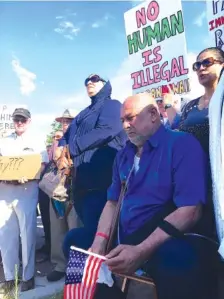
126,125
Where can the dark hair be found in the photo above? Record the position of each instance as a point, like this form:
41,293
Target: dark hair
217,52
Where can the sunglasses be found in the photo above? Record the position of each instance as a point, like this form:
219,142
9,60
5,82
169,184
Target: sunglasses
159,101
22,120
94,79
207,62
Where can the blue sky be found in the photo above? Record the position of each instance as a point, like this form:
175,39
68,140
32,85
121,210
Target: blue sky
49,48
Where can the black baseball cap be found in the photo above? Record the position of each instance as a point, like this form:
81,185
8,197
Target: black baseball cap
21,112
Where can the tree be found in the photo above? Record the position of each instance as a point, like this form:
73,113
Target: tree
55,126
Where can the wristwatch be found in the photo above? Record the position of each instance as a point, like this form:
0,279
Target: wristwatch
167,106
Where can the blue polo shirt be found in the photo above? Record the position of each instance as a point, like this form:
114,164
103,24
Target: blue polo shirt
172,167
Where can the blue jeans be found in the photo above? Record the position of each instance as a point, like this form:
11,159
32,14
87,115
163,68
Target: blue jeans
89,208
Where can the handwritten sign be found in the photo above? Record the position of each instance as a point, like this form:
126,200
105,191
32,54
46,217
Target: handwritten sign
16,167
215,14
157,47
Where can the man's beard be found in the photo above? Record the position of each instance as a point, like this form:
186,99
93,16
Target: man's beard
138,140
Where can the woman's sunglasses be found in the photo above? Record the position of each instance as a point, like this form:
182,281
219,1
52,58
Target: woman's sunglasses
94,79
22,120
207,62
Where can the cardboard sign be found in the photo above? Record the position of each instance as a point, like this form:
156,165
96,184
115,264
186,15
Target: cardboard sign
16,167
157,47
215,15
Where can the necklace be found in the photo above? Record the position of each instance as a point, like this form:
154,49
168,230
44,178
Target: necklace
203,102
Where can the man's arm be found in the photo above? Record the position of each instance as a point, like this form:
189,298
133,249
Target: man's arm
190,191
107,216
183,219
108,126
104,227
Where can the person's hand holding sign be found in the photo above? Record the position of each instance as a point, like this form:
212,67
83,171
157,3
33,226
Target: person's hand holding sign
172,105
23,180
170,100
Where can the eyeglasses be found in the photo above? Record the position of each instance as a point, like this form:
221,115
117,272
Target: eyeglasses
22,120
207,62
94,79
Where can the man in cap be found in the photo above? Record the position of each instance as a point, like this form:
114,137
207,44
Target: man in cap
18,202
62,216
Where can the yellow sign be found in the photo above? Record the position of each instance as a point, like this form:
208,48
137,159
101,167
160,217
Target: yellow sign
16,167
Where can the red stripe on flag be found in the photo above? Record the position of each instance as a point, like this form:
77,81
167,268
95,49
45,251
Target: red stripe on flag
93,275
97,272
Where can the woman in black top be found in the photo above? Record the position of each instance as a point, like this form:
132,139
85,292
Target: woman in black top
194,119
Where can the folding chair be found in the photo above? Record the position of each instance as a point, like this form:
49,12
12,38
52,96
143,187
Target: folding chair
141,279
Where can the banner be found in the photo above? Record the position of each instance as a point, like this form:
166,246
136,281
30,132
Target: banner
215,15
157,47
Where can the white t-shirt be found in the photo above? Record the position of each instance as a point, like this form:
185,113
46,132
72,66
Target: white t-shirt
26,144
136,163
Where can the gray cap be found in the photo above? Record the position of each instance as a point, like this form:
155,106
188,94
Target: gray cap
21,112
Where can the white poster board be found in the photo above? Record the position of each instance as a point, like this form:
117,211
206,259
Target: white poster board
215,16
157,47
6,121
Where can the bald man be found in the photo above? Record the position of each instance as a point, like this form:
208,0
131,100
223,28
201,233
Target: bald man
166,176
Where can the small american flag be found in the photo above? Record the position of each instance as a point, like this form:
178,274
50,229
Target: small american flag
81,275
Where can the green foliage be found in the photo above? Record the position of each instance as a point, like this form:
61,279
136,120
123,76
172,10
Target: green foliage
55,126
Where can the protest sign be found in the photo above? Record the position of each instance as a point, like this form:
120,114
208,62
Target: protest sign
157,47
16,167
6,121
215,15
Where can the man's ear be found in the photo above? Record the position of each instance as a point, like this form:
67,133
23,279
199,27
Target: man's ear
154,112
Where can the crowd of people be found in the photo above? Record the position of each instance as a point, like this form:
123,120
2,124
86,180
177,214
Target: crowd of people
160,152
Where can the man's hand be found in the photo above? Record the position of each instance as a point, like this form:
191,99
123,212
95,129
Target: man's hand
23,180
124,259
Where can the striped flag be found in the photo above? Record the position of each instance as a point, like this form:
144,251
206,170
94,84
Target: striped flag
81,274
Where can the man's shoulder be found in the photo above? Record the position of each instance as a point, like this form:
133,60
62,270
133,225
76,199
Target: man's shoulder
7,138
182,140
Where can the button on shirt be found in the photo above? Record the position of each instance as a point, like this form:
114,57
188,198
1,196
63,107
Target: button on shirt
26,144
173,167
